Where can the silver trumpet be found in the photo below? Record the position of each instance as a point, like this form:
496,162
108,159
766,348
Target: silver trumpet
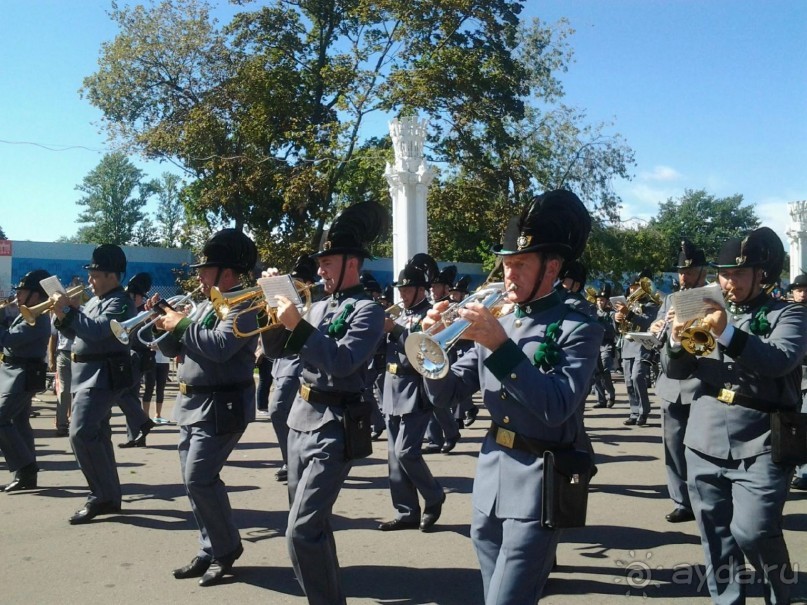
145,319
428,351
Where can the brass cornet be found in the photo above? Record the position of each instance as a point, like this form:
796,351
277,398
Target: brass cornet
260,305
30,314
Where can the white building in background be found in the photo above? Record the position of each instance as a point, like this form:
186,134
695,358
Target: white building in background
797,234
409,178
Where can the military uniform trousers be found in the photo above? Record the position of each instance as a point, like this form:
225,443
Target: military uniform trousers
91,439
442,426
285,388
317,471
637,378
64,373
603,384
801,471
130,404
373,394
16,436
674,417
738,506
408,472
515,557
202,455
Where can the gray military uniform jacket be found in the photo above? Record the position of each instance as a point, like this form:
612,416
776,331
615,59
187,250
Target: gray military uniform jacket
538,402
764,366
22,345
93,340
335,343
403,387
670,389
212,356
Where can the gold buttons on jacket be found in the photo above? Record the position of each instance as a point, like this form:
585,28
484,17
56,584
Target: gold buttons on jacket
506,419
513,375
517,323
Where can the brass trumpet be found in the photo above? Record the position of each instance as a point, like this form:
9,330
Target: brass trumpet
645,290
30,314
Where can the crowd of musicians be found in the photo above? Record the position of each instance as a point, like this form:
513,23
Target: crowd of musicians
347,369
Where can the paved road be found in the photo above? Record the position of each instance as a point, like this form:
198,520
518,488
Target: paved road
627,550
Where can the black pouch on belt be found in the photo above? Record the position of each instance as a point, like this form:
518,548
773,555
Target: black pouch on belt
356,420
36,375
789,438
228,412
565,488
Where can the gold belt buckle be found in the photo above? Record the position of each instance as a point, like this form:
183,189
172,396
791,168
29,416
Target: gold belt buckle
183,388
73,357
505,438
2,357
726,396
305,391
392,368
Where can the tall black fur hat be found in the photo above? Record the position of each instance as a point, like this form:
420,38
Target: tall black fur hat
556,221
446,276
462,284
305,269
760,248
140,283
690,256
644,273
605,291
355,229
229,248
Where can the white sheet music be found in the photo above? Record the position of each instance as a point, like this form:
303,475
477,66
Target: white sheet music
646,339
51,285
280,285
691,304
618,299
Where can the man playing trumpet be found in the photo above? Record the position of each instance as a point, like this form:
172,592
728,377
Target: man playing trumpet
534,368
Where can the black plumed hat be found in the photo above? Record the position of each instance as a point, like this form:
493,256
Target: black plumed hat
30,281
369,282
229,248
576,271
140,283
355,229
556,221
462,284
605,291
108,258
446,276
305,269
800,281
760,248
690,256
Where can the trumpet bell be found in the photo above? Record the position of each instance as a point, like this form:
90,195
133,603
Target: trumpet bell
428,354
698,340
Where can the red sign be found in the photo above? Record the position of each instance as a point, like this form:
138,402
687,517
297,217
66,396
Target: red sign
5,247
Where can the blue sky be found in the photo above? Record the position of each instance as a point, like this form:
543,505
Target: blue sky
710,94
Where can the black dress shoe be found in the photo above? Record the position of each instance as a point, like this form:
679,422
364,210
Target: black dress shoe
282,474
798,483
449,444
680,515
194,569
611,402
431,514
470,416
139,441
598,406
376,434
91,510
146,427
219,567
630,422
641,421
398,524
21,483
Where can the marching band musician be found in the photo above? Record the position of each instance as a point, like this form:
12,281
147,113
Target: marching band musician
22,375
603,384
329,422
534,367
377,369
216,399
101,371
408,412
636,358
736,488
798,290
676,395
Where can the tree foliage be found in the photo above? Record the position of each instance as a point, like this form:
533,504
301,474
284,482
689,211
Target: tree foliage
266,113
114,198
170,210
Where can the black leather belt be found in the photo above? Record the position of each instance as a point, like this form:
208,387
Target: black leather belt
401,370
206,389
97,357
329,398
730,397
514,441
19,361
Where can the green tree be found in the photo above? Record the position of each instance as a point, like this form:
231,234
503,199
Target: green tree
2,233
170,210
706,220
145,234
114,198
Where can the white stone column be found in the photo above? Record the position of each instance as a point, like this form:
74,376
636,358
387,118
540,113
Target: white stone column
797,234
409,178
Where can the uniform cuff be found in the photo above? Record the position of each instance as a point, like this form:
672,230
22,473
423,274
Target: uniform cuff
737,343
504,359
179,330
65,321
298,336
397,331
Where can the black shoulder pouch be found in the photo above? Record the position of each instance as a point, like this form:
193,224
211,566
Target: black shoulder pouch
121,375
36,375
356,420
565,488
228,412
789,438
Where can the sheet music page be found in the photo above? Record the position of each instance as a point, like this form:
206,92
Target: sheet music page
280,285
618,299
690,304
51,285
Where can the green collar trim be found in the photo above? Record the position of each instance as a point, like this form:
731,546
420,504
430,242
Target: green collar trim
537,306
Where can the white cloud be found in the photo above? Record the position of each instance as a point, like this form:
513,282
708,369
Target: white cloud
661,173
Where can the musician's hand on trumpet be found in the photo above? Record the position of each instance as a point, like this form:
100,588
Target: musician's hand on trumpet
483,328
657,327
287,313
62,303
167,320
